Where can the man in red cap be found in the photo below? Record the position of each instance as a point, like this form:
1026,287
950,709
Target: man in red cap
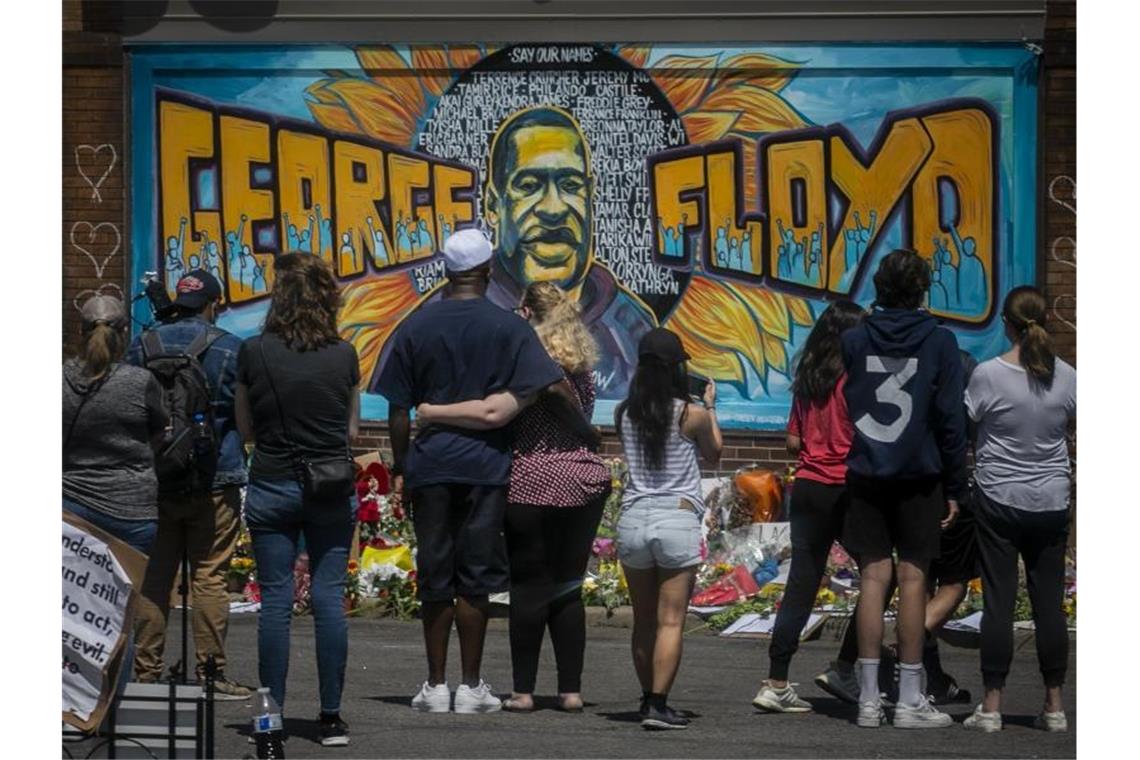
202,523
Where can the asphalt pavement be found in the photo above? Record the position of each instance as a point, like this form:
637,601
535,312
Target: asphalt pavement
717,680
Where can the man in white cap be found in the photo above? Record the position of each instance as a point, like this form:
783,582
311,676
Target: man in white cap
459,348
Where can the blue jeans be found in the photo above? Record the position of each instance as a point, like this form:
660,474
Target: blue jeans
137,533
277,517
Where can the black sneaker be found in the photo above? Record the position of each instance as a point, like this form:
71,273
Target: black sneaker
333,731
663,719
946,692
889,672
643,710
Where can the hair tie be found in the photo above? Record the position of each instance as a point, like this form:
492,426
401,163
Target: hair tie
1030,322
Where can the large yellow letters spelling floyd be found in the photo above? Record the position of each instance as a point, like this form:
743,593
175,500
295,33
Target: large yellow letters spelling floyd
935,166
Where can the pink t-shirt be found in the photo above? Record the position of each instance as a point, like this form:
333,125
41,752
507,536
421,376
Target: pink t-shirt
825,433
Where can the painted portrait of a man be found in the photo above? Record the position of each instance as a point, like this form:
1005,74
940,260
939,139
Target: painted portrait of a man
538,200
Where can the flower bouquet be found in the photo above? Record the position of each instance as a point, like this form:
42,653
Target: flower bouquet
606,587
240,571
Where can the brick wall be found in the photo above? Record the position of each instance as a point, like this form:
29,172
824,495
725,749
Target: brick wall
1058,183
95,234
767,450
94,238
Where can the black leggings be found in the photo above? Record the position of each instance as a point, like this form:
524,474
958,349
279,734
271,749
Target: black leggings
817,516
548,549
1040,539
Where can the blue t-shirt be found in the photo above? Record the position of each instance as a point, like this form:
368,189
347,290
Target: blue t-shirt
458,350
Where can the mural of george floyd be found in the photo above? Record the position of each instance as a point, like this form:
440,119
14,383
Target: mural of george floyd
726,191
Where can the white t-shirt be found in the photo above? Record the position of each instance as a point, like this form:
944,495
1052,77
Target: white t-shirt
1021,456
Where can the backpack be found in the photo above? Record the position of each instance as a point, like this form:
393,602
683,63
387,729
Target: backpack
187,458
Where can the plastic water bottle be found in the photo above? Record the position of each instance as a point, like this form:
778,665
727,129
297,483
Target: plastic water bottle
789,484
202,443
267,726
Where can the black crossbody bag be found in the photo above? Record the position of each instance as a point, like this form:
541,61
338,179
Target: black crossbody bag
322,480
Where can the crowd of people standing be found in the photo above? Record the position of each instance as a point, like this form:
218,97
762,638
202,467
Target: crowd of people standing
499,463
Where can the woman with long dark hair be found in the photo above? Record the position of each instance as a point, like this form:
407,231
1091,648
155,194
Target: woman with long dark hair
297,400
558,488
113,415
659,531
819,435
1024,403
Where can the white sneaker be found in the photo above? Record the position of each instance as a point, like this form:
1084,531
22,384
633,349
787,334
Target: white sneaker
435,699
476,700
1052,721
871,715
925,715
839,682
979,720
784,700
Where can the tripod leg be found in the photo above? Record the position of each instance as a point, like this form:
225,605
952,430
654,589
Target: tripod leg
184,589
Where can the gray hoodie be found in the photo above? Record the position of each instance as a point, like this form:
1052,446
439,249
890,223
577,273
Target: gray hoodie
108,463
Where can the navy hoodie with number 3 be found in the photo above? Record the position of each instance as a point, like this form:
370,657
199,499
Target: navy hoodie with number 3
904,395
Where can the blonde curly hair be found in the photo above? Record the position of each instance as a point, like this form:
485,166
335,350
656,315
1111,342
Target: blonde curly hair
558,321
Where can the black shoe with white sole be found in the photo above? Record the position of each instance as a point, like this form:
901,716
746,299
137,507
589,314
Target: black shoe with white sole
947,692
333,731
663,718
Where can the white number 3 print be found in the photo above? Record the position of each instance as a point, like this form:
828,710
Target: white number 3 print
890,392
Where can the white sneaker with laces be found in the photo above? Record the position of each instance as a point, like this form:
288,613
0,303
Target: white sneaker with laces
839,682
923,715
871,715
1052,721
979,720
784,700
479,699
435,699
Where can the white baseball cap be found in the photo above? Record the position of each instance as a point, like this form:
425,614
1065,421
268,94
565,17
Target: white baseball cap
466,249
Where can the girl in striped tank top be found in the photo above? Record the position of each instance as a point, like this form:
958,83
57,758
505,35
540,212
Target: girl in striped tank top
659,532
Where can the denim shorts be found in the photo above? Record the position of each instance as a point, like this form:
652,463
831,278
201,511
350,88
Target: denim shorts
659,532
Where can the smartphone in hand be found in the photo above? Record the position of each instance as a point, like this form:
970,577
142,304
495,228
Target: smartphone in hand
697,387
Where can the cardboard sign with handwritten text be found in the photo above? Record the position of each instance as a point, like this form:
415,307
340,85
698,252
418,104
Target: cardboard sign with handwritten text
100,575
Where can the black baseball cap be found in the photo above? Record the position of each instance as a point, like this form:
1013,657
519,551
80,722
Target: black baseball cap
197,289
663,345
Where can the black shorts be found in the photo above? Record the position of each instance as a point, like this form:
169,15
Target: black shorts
889,515
958,561
461,547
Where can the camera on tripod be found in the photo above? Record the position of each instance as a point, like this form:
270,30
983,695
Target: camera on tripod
155,293
161,306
